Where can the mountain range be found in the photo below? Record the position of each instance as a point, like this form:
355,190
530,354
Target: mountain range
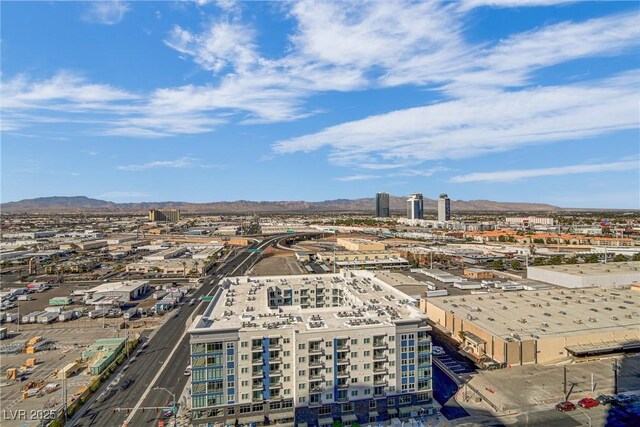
83,204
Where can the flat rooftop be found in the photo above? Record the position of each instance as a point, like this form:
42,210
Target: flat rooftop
595,269
243,304
548,313
126,286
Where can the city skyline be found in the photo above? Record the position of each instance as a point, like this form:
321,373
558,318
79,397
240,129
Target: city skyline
203,101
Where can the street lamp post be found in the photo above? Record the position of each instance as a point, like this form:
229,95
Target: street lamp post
585,414
173,397
615,365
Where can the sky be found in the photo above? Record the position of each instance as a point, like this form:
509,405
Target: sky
510,100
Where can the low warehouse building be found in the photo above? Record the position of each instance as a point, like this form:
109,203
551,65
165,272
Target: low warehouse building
354,244
539,327
588,275
125,291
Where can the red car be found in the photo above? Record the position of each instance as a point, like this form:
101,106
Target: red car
588,402
565,406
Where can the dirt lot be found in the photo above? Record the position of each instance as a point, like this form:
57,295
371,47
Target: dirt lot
277,265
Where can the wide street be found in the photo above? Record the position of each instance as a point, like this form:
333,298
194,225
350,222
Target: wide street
100,409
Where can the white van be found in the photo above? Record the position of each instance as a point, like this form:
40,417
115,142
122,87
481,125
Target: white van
187,371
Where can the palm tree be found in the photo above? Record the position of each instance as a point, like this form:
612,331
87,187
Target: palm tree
184,268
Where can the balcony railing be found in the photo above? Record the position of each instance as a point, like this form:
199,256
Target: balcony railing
343,361
316,363
380,356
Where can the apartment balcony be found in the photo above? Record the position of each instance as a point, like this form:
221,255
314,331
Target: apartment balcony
316,376
275,347
381,382
257,385
342,373
380,345
316,363
378,394
256,347
316,388
380,357
256,361
257,399
342,398
277,384
276,373
380,370
275,359
257,374
316,350
344,347
343,361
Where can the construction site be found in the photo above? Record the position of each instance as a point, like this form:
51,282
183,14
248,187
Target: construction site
45,373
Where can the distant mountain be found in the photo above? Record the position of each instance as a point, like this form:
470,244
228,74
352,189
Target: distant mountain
82,204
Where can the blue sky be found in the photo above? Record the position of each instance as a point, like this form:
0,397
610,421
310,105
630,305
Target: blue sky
533,101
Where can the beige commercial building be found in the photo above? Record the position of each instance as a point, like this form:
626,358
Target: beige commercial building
360,244
309,350
164,215
543,327
588,275
364,259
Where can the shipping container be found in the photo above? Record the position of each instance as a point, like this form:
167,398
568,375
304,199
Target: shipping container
60,301
159,294
94,314
53,309
12,317
131,313
24,297
47,317
67,315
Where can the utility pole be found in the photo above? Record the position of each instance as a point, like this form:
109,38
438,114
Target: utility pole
565,382
615,367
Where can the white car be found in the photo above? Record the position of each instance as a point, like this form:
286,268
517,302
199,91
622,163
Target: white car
438,351
187,371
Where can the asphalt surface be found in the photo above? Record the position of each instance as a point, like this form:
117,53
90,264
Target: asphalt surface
142,371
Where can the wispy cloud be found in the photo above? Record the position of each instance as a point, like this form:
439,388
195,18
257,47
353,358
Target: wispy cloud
183,162
356,178
106,12
470,127
518,174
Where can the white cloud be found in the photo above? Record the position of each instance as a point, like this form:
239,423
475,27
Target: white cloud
183,162
514,175
356,178
470,4
106,12
474,126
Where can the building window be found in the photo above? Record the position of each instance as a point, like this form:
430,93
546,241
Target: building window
325,410
244,357
354,393
354,354
287,353
354,342
245,383
367,379
244,344
287,391
231,410
245,370
258,407
229,345
301,346
392,338
405,399
302,399
367,353
367,366
286,340
354,380
301,359
301,373
367,340
301,386
328,344
245,396
372,403
391,402
367,391
354,368
287,366
347,407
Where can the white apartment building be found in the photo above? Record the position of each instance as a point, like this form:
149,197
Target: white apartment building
309,350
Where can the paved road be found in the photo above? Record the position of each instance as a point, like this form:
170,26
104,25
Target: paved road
152,358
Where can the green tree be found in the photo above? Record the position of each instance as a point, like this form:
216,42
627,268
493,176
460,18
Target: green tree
620,258
591,259
537,262
571,260
636,257
538,240
516,265
556,260
498,264
502,239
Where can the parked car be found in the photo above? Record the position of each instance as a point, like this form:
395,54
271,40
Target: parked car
126,383
438,351
623,398
605,399
588,402
187,371
565,406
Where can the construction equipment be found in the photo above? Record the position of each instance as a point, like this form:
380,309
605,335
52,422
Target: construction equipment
12,374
